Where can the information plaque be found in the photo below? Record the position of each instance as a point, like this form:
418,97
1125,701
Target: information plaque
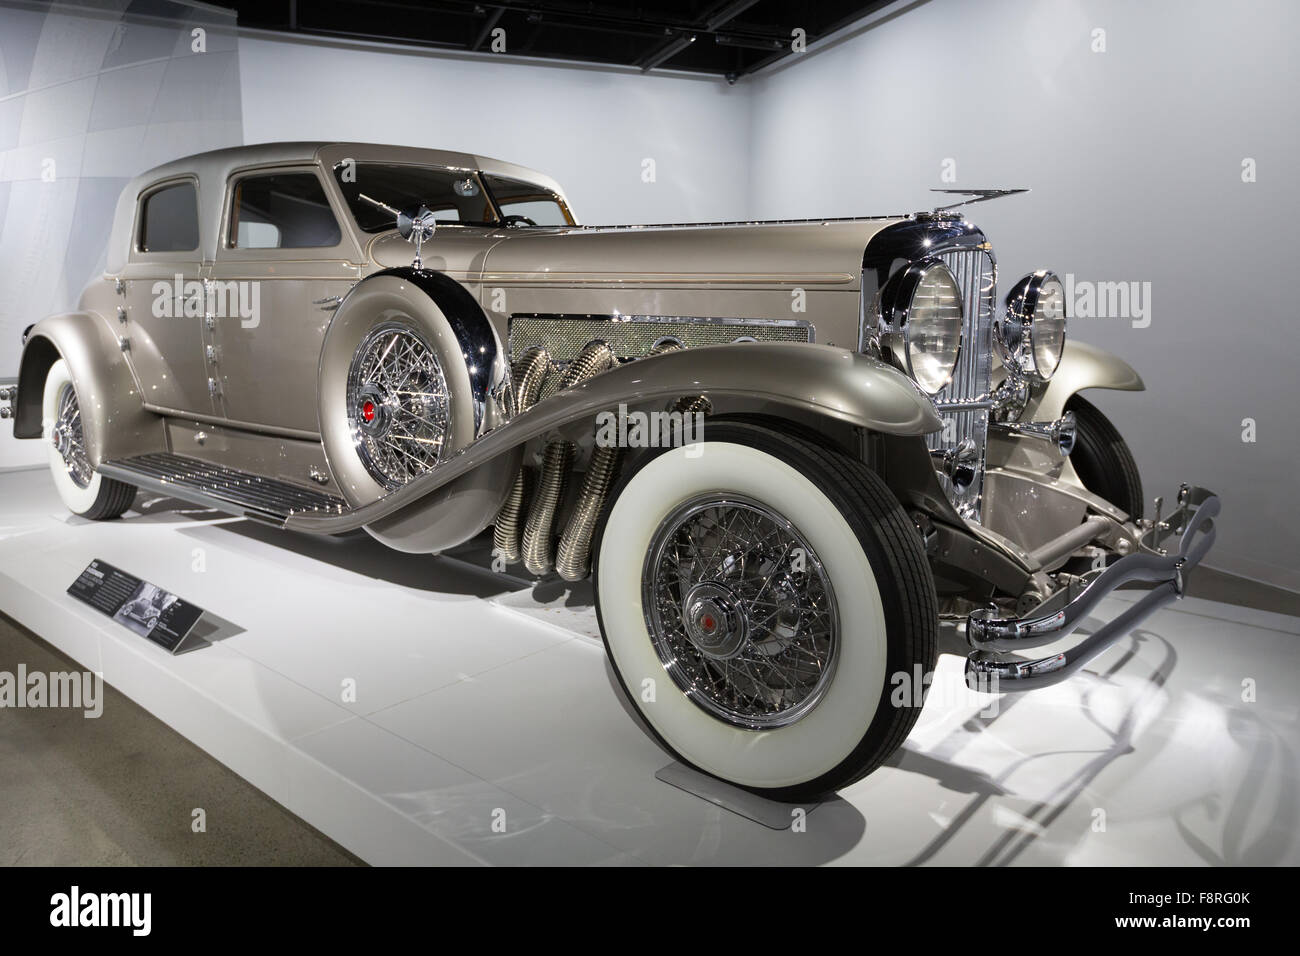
136,604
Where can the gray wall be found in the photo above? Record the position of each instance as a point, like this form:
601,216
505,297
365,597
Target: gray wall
91,94
591,129
1135,159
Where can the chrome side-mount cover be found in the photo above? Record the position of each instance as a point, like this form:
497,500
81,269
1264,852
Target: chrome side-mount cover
485,359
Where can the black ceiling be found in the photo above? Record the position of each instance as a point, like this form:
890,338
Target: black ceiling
723,37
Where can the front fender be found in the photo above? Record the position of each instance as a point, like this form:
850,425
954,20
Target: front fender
1082,366
114,420
810,380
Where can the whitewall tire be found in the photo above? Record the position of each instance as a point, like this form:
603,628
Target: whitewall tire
693,541
83,490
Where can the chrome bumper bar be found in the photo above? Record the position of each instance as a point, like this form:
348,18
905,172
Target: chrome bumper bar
1193,522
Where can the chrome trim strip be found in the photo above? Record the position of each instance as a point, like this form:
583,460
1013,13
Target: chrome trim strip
665,278
706,319
206,419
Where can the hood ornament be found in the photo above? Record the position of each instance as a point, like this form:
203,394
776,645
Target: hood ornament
977,195
415,225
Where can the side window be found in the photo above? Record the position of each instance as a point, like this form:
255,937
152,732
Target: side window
281,211
169,220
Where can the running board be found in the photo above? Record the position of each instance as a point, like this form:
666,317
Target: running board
235,492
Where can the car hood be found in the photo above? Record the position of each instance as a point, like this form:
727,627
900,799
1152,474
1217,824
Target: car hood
823,252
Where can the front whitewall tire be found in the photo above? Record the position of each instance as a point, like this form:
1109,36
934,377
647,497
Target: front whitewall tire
817,745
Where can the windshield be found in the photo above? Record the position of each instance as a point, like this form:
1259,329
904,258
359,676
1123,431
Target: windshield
528,204
455,196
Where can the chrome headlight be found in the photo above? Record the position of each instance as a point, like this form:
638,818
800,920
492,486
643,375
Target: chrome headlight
1031,332
921,311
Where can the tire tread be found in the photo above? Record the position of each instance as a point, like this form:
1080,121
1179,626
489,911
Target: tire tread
1103,460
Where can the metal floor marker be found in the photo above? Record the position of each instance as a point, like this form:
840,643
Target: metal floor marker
772,814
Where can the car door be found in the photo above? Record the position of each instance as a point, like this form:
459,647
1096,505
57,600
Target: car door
284,261
163,321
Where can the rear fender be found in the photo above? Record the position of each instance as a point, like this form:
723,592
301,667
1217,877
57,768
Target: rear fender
114,419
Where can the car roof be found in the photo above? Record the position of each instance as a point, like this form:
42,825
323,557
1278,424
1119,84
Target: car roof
214,167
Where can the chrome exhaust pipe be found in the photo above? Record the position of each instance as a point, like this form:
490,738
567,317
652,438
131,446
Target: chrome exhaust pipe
539,532
528,375
989,634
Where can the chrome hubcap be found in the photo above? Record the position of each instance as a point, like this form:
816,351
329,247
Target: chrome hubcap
67,438
398,404
741,611
713,621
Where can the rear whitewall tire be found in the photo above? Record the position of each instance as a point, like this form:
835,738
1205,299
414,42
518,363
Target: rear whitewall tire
101,498
822,749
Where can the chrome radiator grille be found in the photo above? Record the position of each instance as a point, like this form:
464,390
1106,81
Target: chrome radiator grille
965,402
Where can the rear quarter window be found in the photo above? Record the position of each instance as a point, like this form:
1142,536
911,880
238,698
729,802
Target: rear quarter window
169,219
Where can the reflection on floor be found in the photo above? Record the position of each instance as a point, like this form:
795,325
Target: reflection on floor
427,710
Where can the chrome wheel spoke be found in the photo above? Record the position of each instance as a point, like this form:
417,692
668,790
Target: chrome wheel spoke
68,439
746,632
398,404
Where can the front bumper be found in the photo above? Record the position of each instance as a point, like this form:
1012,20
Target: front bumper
1193,522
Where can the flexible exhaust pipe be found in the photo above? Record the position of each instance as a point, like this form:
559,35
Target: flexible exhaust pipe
539,532
528,375
573,560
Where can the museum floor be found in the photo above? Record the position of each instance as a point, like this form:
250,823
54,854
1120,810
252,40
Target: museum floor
428,710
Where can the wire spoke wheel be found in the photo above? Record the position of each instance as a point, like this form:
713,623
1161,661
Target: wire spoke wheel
68,438
398,404
741,611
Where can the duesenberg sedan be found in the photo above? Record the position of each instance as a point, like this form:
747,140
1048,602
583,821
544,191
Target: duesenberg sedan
784,452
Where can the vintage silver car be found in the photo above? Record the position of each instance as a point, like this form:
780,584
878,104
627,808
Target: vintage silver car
784,452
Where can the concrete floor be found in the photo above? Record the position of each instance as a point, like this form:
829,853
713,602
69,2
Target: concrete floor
120,790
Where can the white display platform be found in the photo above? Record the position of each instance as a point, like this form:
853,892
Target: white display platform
482,700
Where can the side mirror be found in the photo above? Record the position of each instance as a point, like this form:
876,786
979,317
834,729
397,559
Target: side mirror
414,225
417,226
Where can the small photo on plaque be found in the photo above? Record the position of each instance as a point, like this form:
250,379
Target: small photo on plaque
144,608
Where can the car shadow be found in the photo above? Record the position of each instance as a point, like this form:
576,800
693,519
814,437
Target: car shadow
1010,844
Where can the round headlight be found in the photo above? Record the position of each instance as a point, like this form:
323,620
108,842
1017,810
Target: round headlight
1031,335
924,319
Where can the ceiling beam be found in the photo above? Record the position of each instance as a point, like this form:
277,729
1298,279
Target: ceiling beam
678,41
493,17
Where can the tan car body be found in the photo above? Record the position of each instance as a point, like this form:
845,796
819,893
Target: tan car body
247,399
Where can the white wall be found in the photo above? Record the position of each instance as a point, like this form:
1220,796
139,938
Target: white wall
590,129
1134,156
